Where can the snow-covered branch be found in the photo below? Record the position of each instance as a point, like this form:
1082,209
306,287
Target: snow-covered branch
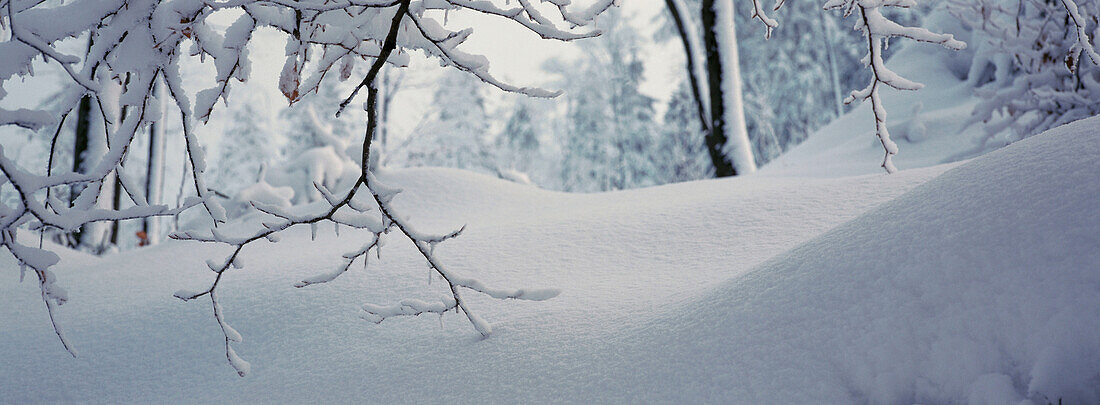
1082,43
877,29
1034,50
759,13
133,44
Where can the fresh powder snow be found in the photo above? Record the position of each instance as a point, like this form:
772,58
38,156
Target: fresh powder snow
973,282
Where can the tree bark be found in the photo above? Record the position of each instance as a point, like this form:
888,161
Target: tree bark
80,147
696,73
154,180
728,143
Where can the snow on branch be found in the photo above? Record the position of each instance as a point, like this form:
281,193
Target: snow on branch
134,46
1033,48
1082,43
877,29
40,260
758,13
425,244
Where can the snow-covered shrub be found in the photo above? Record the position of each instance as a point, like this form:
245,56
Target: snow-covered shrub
1035,65
260,192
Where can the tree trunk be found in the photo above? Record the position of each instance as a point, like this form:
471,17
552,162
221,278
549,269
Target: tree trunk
834,76
729,145
80,146
154,175
116,204
697,74
97,235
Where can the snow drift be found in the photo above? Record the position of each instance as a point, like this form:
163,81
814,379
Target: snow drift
980,285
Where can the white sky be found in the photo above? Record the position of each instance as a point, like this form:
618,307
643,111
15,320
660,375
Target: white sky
516,54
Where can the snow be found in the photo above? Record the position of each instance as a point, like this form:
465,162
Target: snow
990,268
973,282
848,145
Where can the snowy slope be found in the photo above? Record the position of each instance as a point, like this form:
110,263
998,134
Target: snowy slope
983,284
929,125
978,284
619,258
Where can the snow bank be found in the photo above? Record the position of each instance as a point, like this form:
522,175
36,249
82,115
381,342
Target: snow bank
980,285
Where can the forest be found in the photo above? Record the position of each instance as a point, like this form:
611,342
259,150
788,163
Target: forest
579,201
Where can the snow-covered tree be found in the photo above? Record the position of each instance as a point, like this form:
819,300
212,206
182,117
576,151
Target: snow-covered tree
455,132
586,147
1035,62
794,71
155,163
245,148
390,81
519,143
136,43
687,31
311,123
611,133
728,140
793,78
635,130
681,154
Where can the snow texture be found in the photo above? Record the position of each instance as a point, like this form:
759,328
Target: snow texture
972,283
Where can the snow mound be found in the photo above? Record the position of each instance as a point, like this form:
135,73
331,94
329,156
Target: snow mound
975,284
980,286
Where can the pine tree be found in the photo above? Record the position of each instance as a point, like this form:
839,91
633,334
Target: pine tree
518,143
246,146
585,148
611,133
455,133
682,155
634,127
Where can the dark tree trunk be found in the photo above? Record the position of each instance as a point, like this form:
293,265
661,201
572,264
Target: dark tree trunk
116,204
689,52
716,140
80,146
154,174
150,175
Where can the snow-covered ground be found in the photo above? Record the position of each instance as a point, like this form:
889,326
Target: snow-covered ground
976,282
931,126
